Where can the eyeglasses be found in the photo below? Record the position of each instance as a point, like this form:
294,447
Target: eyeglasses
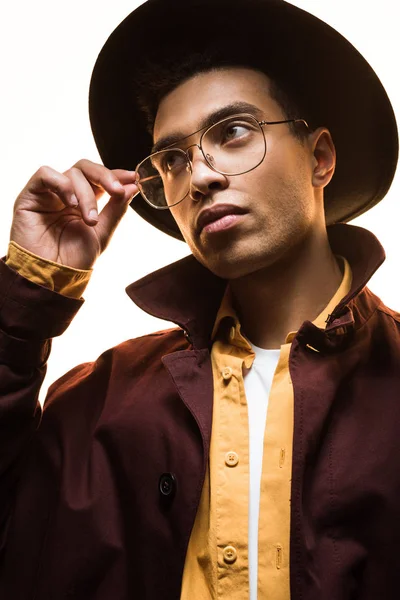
232,146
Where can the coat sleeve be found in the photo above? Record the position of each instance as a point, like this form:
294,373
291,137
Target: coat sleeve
30,316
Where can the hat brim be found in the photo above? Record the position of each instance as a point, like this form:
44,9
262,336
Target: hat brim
327,74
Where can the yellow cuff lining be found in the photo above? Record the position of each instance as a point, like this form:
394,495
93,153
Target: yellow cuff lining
54,276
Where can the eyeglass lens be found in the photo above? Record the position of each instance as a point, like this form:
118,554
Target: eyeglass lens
232,146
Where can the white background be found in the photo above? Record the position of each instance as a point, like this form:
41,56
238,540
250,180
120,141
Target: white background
47,52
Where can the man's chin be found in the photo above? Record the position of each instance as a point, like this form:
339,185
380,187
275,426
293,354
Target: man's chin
235,262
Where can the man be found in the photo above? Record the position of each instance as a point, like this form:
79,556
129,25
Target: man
253,450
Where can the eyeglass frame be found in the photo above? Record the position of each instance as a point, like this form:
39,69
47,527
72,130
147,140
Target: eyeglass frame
200,147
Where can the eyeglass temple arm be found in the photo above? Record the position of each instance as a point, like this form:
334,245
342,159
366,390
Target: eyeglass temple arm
146,179
285,121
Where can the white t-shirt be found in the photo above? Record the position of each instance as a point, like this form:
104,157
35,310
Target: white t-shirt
257,385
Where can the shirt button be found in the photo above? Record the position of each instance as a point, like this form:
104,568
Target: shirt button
230,554
231,459
227,373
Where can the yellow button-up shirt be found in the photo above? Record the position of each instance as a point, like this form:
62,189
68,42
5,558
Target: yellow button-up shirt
217,565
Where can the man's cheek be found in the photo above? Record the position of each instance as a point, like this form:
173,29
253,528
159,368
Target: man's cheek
178,220
182,228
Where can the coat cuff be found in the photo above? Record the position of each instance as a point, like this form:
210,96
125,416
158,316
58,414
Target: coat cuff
30,315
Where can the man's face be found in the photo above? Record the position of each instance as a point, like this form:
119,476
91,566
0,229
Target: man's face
259,217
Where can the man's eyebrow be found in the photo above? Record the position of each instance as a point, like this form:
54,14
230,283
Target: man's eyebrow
216,115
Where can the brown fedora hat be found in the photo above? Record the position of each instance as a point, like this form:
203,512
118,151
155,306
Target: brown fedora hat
325,74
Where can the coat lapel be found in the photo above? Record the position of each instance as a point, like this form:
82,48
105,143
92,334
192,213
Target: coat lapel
191,373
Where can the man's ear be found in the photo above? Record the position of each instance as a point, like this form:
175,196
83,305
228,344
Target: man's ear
323,156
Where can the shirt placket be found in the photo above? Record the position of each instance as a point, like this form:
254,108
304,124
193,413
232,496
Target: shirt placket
231,485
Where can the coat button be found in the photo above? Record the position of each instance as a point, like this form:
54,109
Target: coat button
230,554
167,484
231,459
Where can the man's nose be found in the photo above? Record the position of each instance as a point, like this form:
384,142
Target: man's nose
203,178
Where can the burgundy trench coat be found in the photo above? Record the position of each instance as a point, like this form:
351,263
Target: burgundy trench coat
99,495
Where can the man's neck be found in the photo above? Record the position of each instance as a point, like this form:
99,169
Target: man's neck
276,300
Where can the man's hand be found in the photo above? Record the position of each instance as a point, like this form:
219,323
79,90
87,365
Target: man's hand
55,215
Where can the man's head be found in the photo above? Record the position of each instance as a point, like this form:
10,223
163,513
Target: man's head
333,85
267,212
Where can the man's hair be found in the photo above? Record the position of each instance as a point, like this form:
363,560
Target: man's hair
159,78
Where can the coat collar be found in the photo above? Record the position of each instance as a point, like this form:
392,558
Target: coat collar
189,295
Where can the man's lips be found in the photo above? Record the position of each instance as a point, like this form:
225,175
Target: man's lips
216,212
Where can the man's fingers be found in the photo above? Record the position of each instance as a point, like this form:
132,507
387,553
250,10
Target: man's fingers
117,183
101,177
85,195
112,214
125,177
48,179
82,185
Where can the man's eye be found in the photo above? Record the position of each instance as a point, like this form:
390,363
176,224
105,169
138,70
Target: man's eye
172,160
235,132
